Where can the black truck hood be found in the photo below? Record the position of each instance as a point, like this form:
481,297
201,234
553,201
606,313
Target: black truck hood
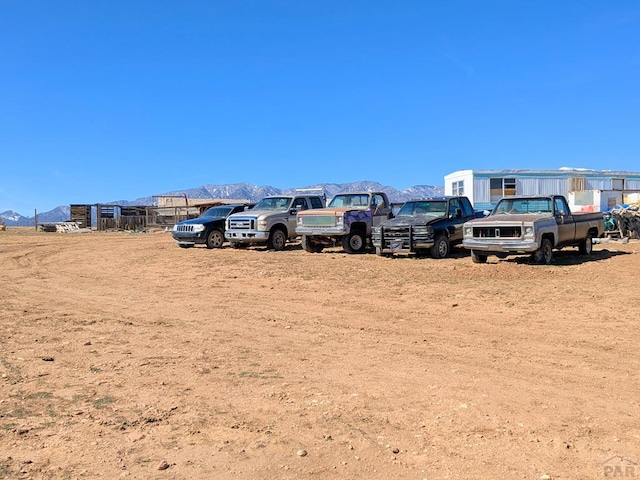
419,221
201,220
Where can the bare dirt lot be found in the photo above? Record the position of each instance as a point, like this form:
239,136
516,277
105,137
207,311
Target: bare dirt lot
124,356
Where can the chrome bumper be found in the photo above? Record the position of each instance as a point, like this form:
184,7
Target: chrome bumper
246,236
503,246
321,231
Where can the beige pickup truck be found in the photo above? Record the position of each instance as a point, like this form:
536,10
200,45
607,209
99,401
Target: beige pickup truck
346,221
533,225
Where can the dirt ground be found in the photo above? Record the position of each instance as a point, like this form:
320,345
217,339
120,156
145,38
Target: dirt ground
124,356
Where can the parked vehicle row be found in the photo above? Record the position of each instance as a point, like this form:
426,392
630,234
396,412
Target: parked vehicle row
532,225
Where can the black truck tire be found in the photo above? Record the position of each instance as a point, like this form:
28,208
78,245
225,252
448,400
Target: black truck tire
380,253
440,247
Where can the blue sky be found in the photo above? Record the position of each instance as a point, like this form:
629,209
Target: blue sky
115,100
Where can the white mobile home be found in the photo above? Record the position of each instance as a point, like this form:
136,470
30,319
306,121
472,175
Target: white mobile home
586,190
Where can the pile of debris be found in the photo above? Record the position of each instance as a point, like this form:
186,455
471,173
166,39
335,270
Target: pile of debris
62,227
624,219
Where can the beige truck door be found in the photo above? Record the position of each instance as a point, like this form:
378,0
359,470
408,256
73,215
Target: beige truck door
299,204
565,221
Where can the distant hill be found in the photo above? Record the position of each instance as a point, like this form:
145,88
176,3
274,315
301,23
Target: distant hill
238,190
13,219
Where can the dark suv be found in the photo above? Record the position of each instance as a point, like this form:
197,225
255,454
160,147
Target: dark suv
207,229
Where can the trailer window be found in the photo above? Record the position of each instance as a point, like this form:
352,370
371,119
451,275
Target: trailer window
502,187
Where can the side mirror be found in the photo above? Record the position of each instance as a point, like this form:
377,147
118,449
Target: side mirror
458,212
293,211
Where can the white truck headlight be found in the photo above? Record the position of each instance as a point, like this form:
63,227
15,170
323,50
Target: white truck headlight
198,228
468,232
262,224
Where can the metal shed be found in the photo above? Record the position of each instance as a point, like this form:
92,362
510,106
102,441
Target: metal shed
586,190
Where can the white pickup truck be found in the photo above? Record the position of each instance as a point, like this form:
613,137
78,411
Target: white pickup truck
533,225
272,221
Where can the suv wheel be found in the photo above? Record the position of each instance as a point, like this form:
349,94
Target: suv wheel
215,239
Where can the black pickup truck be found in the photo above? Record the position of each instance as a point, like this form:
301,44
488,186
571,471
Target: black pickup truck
427,225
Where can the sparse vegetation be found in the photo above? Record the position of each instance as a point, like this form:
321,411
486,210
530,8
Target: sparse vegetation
103,402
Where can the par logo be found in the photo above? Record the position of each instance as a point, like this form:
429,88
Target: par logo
620,466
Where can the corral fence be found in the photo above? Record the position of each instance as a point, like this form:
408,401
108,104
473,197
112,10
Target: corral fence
142,217
134,218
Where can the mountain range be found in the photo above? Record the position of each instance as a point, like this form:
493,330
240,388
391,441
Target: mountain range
238,190
13,219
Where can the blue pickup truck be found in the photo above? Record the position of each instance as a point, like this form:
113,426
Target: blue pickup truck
431,225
